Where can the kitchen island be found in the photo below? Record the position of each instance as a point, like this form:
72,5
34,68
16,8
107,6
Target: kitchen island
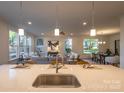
96,78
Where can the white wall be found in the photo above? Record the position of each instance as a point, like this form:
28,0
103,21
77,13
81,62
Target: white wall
102,48
4,40
60,39
4,46
77,42
112,39
122,42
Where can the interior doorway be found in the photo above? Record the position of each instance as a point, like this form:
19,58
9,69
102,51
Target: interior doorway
117,46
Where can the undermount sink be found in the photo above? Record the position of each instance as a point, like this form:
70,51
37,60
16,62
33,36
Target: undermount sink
56,80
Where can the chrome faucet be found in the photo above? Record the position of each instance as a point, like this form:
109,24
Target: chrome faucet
57,64
57,68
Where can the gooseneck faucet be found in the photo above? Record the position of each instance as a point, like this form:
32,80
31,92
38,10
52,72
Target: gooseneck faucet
57,63
57,68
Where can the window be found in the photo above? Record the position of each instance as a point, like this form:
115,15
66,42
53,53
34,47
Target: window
19,45
25,45
40,45
22,44
90,46
68,45
28,46
40,42
12,45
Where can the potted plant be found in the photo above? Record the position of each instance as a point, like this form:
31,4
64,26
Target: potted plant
68,50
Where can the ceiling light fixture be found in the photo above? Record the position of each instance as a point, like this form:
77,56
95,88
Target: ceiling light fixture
29,23
56,30
42,34
84,23
101,42
71,34
21,30
93,30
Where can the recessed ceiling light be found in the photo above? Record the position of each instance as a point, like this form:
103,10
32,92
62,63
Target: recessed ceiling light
84,23
71,34
29,23
42,33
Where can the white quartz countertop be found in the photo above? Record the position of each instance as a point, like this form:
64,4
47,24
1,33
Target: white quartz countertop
99,78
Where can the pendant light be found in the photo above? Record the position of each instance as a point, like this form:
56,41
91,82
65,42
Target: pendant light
93,30
21,30
56,30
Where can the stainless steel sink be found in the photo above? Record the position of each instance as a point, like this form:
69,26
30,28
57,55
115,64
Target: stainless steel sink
56,80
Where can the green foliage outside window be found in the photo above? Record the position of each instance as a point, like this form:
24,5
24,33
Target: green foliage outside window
12,38
12,44
68,45
68,50
90,46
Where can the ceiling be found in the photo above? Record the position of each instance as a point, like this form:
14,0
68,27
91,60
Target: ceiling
71,15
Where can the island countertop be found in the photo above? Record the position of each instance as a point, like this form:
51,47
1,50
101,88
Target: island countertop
97,78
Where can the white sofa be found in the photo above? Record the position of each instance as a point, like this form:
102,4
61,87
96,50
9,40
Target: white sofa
112,59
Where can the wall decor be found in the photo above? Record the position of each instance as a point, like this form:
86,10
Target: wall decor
53,46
